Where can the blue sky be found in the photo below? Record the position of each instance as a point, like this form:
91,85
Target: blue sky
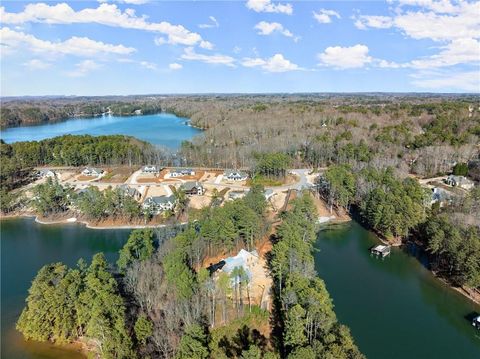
139,46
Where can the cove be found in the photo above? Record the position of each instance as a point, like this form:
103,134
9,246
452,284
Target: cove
394,307
25,247
162,129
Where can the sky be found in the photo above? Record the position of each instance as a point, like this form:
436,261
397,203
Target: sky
127,47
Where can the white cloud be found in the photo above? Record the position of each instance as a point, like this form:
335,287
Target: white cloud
78,46
206,45
213,23
36,64
276,63
345,57
130,2
363,22
441,6
148,65
459,51
237,49
175,66
83,68
105,14
268,28
268,6
435,20
190,54
463,81
324,16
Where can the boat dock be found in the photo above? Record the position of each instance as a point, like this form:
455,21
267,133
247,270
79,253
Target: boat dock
381,250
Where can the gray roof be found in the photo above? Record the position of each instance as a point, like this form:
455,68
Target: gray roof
162,199
188,186
128,190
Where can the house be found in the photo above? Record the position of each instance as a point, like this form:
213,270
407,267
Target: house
233,175
459,181
130,191
233,195
150,169
193,188
441,196
92,172
46,174
182,172
244,259
159,204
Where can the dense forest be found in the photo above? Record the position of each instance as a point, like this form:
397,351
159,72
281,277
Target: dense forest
159,301
423,134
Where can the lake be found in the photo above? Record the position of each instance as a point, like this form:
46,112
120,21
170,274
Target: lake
25,247
160,129
394,307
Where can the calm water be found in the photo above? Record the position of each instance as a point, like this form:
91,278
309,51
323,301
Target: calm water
159,129
394,307
25,247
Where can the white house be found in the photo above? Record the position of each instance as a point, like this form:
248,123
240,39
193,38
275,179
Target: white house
459,181
159,204
46,173
92,172
233,195
182,172
150,169
233,175
246,260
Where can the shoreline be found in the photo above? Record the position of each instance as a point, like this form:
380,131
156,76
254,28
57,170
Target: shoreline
324,225
87,224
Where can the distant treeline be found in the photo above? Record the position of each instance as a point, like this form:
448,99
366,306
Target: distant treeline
23,112
18,158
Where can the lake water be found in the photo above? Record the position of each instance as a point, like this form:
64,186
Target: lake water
25,247
160,129
394,307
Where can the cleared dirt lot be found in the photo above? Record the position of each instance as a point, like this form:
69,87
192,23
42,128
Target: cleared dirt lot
117,174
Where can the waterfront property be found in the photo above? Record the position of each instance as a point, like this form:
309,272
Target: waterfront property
92,172
151,169
130,191
234,175
193,188
159,204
